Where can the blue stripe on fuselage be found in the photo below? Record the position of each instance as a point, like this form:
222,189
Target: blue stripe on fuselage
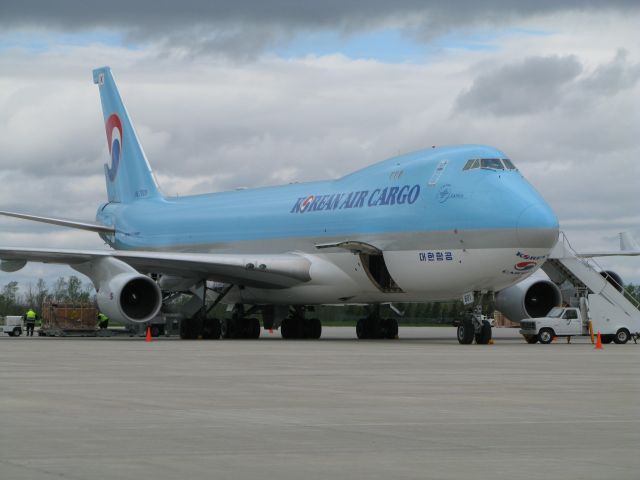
390,196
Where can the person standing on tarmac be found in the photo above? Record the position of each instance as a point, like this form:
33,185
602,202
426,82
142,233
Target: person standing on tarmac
30,317
103,321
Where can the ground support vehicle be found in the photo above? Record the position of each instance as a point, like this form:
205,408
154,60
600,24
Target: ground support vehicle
593,316
13,325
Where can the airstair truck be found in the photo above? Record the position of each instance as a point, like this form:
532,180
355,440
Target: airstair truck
594,315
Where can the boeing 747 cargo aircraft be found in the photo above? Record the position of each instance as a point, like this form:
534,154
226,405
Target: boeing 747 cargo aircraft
435,224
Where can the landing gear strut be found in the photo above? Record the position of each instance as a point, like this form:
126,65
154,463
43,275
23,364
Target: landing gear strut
296,325
474,326
373,326
200,325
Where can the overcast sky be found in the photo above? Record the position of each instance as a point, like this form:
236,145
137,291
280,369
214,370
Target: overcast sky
247,93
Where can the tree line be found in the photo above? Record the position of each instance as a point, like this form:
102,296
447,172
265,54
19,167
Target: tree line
15,300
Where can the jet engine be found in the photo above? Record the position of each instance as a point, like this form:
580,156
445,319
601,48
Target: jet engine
533,297
135,298
614,279
123,293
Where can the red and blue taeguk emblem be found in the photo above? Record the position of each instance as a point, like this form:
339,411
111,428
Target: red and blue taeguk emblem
524,266
114,140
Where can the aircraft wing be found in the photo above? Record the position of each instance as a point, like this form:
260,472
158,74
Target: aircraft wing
619,253
266,271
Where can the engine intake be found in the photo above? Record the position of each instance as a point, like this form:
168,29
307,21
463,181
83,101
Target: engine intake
528,299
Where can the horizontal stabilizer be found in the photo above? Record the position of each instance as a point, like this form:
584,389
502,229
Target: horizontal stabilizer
92,227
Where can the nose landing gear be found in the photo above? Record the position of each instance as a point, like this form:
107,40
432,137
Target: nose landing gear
475,326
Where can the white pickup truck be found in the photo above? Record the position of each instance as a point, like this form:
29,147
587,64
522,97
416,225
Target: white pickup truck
567,322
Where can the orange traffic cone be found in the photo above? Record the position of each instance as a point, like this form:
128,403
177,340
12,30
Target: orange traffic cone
598,342
148,334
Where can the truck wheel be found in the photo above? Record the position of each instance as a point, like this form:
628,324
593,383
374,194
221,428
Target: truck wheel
622,336
17,332
466,332
531,339
546,335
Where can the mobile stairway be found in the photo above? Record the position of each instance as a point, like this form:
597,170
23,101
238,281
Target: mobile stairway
604,302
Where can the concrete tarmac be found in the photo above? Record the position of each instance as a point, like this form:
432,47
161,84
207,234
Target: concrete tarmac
418,407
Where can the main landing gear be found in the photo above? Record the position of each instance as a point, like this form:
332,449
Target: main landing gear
374,327
475,327
297,326
200,325
241,324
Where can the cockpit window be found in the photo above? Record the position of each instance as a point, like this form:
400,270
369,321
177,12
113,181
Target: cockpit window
473,163
491,163
509,164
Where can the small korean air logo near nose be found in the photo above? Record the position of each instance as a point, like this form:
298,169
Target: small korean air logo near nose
114,140
524,266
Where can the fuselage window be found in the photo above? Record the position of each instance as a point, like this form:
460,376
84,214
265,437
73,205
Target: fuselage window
491,163
509,164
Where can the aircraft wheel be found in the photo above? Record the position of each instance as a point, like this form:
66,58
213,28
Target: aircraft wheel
252,328
622,336
285,328
466,332
483,337
546,336
313,328
188,329
389,328
228,329
211,329
362,330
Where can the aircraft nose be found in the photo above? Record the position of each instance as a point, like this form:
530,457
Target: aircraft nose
537,226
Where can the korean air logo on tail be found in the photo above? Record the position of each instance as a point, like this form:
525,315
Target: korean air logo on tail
114,140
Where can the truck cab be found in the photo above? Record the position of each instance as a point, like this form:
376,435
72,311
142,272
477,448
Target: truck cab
559,322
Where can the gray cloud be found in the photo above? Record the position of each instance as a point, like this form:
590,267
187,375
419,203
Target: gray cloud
613,77
244,27
535,84
539,84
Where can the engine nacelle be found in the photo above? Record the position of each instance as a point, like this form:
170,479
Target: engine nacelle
530,298
130,297
614,279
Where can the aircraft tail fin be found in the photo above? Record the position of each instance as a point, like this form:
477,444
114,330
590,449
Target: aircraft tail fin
129,176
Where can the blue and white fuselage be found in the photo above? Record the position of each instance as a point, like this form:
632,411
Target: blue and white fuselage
443,230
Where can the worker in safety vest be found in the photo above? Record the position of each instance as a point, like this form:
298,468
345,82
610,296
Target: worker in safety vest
103,320
30,317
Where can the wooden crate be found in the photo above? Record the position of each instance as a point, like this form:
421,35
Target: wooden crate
69,317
